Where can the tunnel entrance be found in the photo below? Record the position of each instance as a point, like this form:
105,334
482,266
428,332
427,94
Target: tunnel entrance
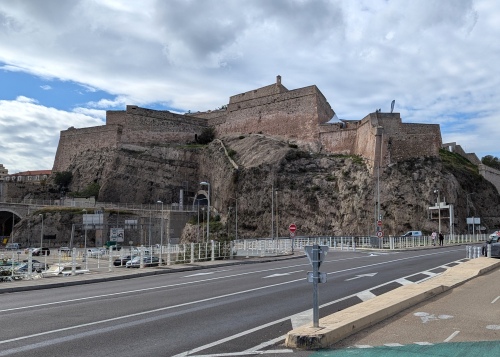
8,220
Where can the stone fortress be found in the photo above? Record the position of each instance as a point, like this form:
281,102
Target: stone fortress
301,116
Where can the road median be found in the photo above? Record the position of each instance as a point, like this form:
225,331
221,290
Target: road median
342,324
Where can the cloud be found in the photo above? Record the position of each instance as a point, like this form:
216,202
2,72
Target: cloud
46,87
437,59
29,133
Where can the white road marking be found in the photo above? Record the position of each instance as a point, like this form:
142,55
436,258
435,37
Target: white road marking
188,276
426,317
363,346
362,276
246,353
452,336
493,327
495,299
266,344
145,313
404,281
366,295
393,345
302,318
423,343
281,274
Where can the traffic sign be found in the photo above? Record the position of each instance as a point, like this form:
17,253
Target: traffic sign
292,227
292,234
323,250
380,234
379,223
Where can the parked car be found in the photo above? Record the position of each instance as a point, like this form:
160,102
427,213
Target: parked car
494,240
138,250
121,261
413,234
41,251
36,266
13,246
95,252
149,261
65,250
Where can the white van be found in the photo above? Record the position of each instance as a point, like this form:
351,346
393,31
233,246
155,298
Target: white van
13,246
413,234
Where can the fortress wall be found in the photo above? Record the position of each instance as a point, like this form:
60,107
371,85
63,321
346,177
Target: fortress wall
339,142
413,140
74,141
365,144
491,175
291,115
116,117
258,93
146,126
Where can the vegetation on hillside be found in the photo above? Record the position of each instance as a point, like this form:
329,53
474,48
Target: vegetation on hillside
491,161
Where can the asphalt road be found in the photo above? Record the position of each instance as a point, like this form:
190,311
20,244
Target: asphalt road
237,310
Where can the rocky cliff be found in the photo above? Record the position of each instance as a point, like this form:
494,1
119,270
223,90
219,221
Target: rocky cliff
323,194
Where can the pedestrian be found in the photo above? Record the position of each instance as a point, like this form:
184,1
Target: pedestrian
433,235
441,238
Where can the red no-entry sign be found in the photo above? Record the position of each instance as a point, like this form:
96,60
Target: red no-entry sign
292,227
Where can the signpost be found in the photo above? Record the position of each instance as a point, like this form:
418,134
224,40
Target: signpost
316,254
292,228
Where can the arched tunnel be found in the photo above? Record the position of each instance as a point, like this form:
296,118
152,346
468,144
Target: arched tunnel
8,220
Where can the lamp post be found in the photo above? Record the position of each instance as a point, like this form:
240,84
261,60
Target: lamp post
85,241
277,215
439,210
41,232
161,231
203,183
236,217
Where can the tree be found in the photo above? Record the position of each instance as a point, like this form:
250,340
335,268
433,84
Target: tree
63,179
206,136
491,161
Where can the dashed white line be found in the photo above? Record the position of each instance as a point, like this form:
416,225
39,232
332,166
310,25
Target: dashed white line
366,295
452,336
495,299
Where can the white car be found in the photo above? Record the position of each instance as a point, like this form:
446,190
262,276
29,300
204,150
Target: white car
95,252
495,234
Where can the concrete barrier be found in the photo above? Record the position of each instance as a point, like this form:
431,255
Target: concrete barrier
342,324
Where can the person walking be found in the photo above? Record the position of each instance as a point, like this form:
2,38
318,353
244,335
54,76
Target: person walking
441,239
433,236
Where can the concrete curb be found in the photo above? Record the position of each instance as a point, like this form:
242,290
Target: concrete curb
342,324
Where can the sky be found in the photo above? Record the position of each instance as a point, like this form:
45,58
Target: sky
64,63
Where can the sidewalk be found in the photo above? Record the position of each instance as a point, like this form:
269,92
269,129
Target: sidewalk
339,326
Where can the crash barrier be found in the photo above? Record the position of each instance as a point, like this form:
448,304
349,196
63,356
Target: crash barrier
473,252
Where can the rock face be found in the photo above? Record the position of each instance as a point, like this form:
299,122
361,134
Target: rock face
275,184
266,184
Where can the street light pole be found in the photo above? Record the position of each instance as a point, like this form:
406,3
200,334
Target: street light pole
208,206
161,232
85,241
439,210
41,232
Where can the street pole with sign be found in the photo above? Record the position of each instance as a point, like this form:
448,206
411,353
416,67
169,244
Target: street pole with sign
316,254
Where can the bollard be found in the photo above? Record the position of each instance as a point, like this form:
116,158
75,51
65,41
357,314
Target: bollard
488,249
468,251
353,247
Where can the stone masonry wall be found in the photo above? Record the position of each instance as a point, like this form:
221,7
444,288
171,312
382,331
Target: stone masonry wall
491,175
149,127
293,115
73,141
